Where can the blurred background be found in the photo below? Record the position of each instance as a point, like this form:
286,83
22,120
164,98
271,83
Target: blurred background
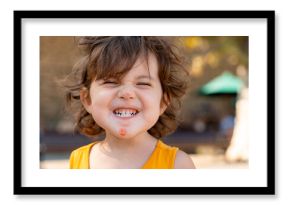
214,114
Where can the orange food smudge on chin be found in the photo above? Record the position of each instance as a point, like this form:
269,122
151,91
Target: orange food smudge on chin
122,132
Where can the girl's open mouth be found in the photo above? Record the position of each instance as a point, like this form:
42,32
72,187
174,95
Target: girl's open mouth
125,112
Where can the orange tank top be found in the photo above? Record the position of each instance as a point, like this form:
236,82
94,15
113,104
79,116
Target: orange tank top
163,157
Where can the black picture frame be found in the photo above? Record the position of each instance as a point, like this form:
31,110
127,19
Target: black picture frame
19,189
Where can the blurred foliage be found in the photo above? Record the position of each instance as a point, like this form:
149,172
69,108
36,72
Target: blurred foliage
225,52
206,57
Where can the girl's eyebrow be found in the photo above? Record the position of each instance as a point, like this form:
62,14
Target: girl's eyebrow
144,77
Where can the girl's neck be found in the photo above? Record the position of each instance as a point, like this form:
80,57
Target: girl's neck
116,145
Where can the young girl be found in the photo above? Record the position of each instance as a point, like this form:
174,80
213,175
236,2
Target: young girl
128,88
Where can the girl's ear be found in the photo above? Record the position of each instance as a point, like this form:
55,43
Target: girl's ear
164,103
85,99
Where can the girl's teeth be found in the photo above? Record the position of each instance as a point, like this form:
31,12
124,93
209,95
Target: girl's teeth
125,112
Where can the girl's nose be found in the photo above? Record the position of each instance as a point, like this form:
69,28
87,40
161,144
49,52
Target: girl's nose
126,92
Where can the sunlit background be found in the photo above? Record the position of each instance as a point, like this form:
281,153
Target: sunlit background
214,112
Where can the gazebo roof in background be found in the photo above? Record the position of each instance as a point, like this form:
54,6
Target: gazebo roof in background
226,83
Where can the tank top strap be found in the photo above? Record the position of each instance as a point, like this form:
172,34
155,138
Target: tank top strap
163,157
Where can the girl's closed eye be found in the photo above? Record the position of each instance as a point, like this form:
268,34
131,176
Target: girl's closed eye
110,82
145,84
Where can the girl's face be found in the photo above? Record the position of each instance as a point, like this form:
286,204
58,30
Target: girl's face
131,106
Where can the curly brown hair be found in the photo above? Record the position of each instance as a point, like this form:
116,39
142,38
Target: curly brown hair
113,56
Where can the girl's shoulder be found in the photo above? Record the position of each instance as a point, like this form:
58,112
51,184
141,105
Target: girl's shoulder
163,157
162,146
79,158
85,147
183,161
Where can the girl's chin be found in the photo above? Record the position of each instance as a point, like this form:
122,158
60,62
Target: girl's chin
125,133
121,133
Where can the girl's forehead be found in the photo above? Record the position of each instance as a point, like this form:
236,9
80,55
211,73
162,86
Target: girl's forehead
150,62
143,67
145,63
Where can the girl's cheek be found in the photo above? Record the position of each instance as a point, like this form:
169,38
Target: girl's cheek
102,95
